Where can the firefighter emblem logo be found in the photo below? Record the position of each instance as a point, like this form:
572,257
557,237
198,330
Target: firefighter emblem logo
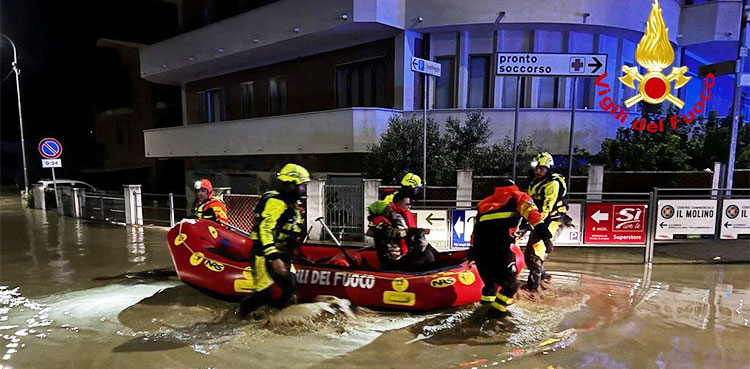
733,211
654,53
667,212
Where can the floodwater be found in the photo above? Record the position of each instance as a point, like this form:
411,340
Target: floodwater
76,294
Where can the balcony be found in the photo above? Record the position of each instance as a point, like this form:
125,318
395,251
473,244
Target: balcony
353,130
325,132
710,21
283,30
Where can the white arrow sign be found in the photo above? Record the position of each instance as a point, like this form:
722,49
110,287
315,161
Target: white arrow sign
599,216
543,64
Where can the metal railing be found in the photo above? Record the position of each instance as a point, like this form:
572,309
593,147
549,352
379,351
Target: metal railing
104,206
163,208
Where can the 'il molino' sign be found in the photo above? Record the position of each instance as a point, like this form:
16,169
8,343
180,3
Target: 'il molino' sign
655,54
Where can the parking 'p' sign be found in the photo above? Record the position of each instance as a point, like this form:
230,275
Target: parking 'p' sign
50,148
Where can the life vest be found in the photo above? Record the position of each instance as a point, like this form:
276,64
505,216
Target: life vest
212,208
537,191
280,224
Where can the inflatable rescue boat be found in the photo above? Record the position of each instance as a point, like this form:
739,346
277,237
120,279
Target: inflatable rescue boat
214,257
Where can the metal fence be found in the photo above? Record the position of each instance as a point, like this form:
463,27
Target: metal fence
241,210
104,206
345,211
163,209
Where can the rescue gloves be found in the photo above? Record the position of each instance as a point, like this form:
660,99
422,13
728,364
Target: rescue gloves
542,231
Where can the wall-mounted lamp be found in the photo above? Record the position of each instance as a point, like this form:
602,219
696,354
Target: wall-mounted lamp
220,50
296,29
420,19
255,40
344,16
190,58
728,34
585,16
164,65
500,17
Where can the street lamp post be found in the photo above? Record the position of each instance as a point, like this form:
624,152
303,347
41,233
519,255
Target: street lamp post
20,115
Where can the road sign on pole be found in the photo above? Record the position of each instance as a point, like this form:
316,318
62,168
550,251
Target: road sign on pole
51,149
551,65
51,163
427,68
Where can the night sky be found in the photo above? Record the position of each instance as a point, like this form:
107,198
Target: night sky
61,70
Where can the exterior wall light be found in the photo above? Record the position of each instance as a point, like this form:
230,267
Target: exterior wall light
420,19
585,16
296,29
344,16
255,40
220,50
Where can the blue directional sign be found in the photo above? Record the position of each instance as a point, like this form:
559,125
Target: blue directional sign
462,222
425,66
50,148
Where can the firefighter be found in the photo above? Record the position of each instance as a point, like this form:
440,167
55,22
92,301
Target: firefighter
548,191
410,185
491,240
279,229
208,206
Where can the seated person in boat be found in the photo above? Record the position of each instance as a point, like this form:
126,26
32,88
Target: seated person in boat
208,206
400,244
279,229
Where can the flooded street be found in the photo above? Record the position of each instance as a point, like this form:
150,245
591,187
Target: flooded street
77,294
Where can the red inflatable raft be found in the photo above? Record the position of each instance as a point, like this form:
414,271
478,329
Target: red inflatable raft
213,257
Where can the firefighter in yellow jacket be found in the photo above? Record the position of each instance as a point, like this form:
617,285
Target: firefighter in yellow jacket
548,191
279,229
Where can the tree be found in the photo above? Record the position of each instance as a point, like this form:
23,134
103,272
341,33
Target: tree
642,150
399,151
692,146
463,146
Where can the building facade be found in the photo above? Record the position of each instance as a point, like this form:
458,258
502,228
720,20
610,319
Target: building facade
315,82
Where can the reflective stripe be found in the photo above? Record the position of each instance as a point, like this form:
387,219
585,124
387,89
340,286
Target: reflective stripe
488,298
507,300
500,215
499,306
270,250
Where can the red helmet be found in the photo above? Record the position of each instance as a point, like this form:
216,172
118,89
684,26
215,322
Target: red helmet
204,183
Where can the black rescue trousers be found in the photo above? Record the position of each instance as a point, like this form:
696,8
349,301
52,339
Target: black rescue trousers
498,269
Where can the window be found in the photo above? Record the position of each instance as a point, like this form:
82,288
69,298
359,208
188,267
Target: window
584,95
361,84
277,94
445,85
211,105
509,91
246,100
479,81
549,93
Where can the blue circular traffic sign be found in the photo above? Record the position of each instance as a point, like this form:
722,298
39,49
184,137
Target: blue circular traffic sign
50,148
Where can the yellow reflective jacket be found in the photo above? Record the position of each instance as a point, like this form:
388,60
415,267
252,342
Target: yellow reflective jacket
549,193
279,225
